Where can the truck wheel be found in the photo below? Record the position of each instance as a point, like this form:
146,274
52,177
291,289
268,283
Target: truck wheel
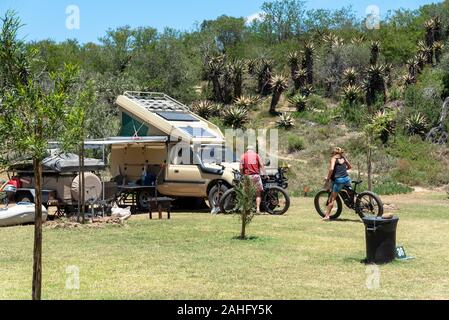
215,194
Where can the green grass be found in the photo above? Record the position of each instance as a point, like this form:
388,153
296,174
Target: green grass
195,256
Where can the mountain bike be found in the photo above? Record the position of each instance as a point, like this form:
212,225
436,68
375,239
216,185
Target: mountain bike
275,199
365,204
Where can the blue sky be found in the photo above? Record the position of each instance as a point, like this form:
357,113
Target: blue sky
46,19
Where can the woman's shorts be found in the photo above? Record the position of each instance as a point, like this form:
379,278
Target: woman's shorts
340,183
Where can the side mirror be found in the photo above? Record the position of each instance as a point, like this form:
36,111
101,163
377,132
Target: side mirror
267,163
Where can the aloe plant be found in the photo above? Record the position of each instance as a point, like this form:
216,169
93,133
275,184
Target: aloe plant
285,121
278,84
246,101
351,93
299,101
416,125
235,117
205,109
350,76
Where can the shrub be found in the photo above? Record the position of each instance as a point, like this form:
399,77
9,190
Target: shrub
299,101
416,125
295,143
285,121
355,114
205,109
247,101
235,117
316,102
419,162
387,186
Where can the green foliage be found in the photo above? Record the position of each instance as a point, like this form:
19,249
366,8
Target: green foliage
295,143
418,162
425,97
354,114
235,117
315,102
416,125
285,121
245,206
387,186
206,109
299,102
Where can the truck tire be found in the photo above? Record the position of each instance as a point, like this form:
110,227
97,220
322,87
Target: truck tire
215,193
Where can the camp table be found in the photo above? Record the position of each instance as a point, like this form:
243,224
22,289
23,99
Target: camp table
128,196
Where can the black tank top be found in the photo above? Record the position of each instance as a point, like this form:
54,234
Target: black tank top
340,170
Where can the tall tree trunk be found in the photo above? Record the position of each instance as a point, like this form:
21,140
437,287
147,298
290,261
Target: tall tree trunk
243,231
274,102
217,89
37,253
238,85
369,167
83,186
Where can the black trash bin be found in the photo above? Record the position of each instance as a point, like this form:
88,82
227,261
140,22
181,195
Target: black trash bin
380,239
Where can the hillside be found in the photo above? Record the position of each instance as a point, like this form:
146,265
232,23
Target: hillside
403,163
322,77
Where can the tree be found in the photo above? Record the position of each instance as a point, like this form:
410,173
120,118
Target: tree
278,84
374,131
227,31
307,63
34,109
375,85
282,19
245,195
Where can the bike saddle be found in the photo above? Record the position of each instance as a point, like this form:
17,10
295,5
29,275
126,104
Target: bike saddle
357,182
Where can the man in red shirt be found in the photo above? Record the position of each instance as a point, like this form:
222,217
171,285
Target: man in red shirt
251,165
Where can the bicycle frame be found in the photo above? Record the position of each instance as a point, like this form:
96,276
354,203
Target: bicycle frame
348,195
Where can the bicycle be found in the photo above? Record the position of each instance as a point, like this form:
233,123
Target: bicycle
365,204
275,199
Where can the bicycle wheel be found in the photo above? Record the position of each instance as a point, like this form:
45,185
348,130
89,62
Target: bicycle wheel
228,203
275,201
369,204
322,200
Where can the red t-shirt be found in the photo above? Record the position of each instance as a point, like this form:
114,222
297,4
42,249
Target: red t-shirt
250,163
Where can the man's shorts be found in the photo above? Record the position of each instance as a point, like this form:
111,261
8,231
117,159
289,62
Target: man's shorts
257,180
339,183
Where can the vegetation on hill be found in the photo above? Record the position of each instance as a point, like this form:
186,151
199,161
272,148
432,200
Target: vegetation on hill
321,76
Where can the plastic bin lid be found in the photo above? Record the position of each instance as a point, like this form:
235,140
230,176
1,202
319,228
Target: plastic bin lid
379,220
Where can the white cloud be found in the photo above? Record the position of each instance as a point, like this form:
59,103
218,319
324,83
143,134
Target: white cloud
254,17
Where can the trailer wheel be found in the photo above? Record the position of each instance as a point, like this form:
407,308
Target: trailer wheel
24,197
143,200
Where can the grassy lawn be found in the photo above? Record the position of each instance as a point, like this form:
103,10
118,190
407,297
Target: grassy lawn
194,256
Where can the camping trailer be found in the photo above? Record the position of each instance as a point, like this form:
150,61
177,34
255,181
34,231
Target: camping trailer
163,149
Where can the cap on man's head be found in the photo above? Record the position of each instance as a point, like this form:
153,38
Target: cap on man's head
250,148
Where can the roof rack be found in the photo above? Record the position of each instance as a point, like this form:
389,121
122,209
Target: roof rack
155,101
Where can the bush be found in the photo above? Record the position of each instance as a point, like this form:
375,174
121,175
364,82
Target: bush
235,117
425,97
285,121
419,162
355,114
387,186
295,143
316,102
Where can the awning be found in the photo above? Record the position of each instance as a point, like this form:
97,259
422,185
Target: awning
92,144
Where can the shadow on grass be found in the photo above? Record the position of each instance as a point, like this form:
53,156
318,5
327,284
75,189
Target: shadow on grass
348,220
252,239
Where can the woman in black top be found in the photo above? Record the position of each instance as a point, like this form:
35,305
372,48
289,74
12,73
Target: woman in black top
338,173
